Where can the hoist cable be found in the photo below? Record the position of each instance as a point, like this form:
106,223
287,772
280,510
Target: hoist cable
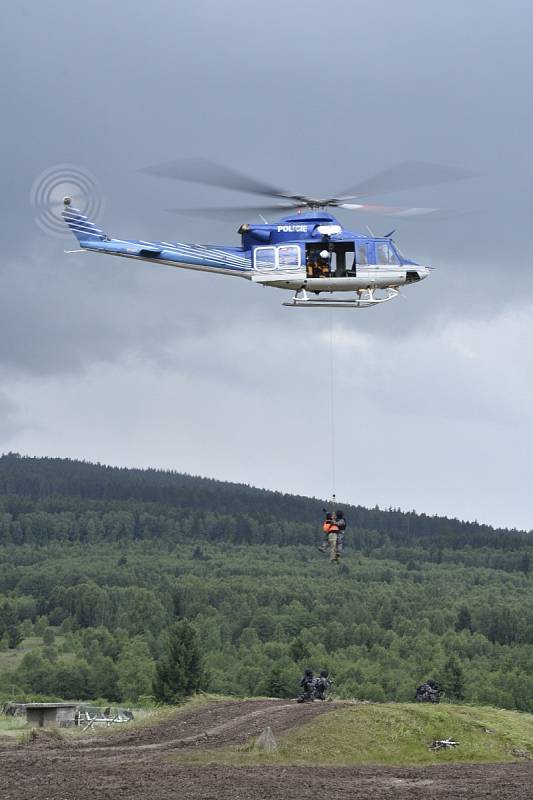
332,402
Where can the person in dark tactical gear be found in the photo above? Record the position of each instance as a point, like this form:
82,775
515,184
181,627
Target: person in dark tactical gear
322,684
341,525
428,692
307,685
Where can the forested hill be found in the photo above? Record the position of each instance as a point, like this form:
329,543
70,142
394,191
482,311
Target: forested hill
97,562
218,508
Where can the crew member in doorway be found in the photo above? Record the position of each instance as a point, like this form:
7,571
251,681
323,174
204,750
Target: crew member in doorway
312,265
324,263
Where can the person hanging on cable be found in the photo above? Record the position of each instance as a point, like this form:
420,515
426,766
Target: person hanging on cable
341,525
330,530
326,525
332,540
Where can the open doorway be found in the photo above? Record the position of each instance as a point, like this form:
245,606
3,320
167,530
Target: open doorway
343,265
339,263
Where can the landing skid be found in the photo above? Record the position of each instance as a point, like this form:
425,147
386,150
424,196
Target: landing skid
364,299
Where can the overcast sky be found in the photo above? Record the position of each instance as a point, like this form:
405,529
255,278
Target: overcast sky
134,364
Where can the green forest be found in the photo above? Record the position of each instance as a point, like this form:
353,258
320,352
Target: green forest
97,563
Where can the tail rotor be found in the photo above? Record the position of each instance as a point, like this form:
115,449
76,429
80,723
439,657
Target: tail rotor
50,189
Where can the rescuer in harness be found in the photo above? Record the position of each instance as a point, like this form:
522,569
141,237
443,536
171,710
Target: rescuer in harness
330,531
325,530
341,525
333,529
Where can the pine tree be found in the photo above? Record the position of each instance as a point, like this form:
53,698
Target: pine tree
452,680
135,670
180,670
280,680
464,619
14,636
49,637
298,650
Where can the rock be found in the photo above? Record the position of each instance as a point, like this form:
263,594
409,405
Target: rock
266,742
519,753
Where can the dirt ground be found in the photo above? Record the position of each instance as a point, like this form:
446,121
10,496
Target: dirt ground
133,764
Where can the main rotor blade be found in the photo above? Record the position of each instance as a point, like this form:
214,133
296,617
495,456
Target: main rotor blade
415,215
232,213
204,171
407,175
388,211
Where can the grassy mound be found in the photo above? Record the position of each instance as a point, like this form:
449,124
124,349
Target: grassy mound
390,733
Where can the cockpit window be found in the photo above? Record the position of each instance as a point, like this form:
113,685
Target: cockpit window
385,254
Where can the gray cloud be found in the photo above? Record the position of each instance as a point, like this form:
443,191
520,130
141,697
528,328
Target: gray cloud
9,422
312,98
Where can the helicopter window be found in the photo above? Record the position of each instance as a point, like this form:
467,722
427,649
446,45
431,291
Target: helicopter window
289,256
393,256
265,258
361,254
385,254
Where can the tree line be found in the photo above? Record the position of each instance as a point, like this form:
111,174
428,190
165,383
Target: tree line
98,564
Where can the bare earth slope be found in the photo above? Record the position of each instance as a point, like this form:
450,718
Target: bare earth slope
135,765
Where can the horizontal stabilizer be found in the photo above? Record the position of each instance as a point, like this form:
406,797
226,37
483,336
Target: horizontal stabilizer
85,231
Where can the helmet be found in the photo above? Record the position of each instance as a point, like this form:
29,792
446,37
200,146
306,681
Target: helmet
308,671
339,514
324,254
324,673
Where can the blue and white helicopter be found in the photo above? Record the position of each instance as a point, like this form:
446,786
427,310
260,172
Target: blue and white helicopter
308,251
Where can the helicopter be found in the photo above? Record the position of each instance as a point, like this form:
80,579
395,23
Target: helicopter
307,251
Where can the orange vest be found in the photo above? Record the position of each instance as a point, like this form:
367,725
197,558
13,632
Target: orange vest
330,526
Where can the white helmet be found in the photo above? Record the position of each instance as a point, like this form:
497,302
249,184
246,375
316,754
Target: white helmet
324,254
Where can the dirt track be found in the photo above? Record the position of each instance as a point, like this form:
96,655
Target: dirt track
134,765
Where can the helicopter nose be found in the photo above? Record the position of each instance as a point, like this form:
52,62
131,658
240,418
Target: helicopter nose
416,274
